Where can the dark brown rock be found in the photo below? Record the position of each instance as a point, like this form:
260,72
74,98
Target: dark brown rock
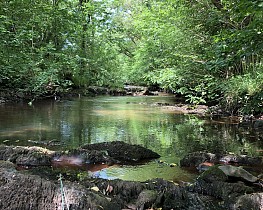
123,152
107,152
249,201
196,158
216,183
21,191
30,156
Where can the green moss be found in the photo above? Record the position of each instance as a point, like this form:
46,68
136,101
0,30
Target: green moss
213,174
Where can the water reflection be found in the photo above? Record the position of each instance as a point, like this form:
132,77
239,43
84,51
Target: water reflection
134,120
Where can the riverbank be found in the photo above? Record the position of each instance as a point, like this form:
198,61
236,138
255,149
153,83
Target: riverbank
12,95
44,187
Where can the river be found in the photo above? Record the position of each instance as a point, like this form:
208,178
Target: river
134,120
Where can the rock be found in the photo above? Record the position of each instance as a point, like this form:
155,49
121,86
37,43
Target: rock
249,201
225,191
241,159
106,153
147,93
258,124
39,188
146,199
123,152
25,191
134,88
83,156
238,172
196,158
172,164
215,182
96,90
7,165
29,156
213,174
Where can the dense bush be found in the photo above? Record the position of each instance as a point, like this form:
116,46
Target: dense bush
207,51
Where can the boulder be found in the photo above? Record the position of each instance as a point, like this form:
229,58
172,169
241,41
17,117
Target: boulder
240,159
216,183
26,191
106,153
249,201
238,172
196,158
122,152
28,156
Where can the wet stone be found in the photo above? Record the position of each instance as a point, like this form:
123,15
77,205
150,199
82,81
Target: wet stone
238,172
40,187
123,152
31,156
249,201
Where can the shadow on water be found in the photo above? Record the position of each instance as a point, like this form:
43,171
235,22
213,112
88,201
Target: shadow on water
134,120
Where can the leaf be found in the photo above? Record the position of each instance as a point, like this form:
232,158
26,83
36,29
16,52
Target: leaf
95,189
109,188
173,164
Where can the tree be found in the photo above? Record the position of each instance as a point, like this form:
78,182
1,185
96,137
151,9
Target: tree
196,49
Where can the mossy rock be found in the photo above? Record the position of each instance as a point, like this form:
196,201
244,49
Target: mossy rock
7,165
213,174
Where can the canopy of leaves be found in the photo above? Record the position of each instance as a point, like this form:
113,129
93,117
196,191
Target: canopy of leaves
208,51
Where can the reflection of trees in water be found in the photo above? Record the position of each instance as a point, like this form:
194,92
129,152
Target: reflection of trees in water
85,121
198,135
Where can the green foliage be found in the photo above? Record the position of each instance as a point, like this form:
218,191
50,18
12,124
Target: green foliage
195,49
47,47
200,50
245,92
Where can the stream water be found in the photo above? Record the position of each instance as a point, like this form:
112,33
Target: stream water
134,120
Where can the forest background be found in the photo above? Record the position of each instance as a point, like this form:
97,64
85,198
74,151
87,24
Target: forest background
208,51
